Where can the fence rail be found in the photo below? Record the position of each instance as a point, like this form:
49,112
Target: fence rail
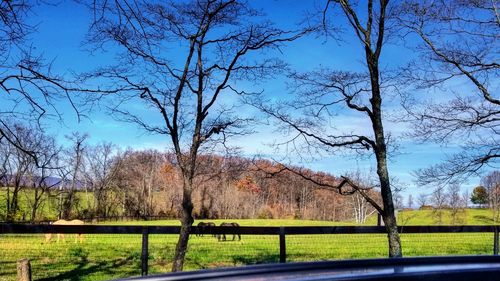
282,232
253,230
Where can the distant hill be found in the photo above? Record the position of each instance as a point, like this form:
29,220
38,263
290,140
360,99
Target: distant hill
53,182
470,216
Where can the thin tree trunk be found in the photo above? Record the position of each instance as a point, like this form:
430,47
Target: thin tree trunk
87,197
13,208
8,203
59,216
35,205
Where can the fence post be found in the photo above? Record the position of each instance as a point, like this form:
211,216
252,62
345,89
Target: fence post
144,253
282,245
23,270
379,220
495,241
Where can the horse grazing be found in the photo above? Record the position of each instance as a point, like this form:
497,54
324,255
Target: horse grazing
222,237
48,236
205,227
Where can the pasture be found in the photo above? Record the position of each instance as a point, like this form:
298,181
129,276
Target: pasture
106,256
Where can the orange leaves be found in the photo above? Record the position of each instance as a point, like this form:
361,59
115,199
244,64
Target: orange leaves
247,184
167,168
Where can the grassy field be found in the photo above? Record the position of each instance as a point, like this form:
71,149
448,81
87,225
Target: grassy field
426,217
102,257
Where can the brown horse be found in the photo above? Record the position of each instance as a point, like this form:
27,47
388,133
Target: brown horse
222,237
48,236
205,227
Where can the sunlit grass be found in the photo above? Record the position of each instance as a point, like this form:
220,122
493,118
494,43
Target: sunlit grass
108,256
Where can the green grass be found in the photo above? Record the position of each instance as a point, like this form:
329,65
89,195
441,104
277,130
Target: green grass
425,217
103,257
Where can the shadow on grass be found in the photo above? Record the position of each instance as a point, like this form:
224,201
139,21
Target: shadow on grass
260,258
234,260
7,268
84,269
483,219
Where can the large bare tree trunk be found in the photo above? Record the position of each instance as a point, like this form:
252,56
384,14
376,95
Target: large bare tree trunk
186,223
381,156
388,215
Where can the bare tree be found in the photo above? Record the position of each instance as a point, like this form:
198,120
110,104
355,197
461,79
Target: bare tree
216,40
5,155
19,169
102,164
466,198
458,44
73,178
439,201
398,201
492,184
18,164
324,93
142,169
362,209
456,204
41,175
422,199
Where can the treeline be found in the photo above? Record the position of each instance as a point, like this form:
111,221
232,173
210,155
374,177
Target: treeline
451,199
85,181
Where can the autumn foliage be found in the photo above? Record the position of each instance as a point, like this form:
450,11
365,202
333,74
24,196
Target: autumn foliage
227,187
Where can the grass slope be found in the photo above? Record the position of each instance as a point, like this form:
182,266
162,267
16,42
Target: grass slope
427,217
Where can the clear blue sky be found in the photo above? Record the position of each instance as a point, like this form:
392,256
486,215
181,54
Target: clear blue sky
61,30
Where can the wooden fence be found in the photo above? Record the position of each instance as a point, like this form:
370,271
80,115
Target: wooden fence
243,230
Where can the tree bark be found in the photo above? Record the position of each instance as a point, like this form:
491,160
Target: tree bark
13,205
381,156
186,223
7,216
37,200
